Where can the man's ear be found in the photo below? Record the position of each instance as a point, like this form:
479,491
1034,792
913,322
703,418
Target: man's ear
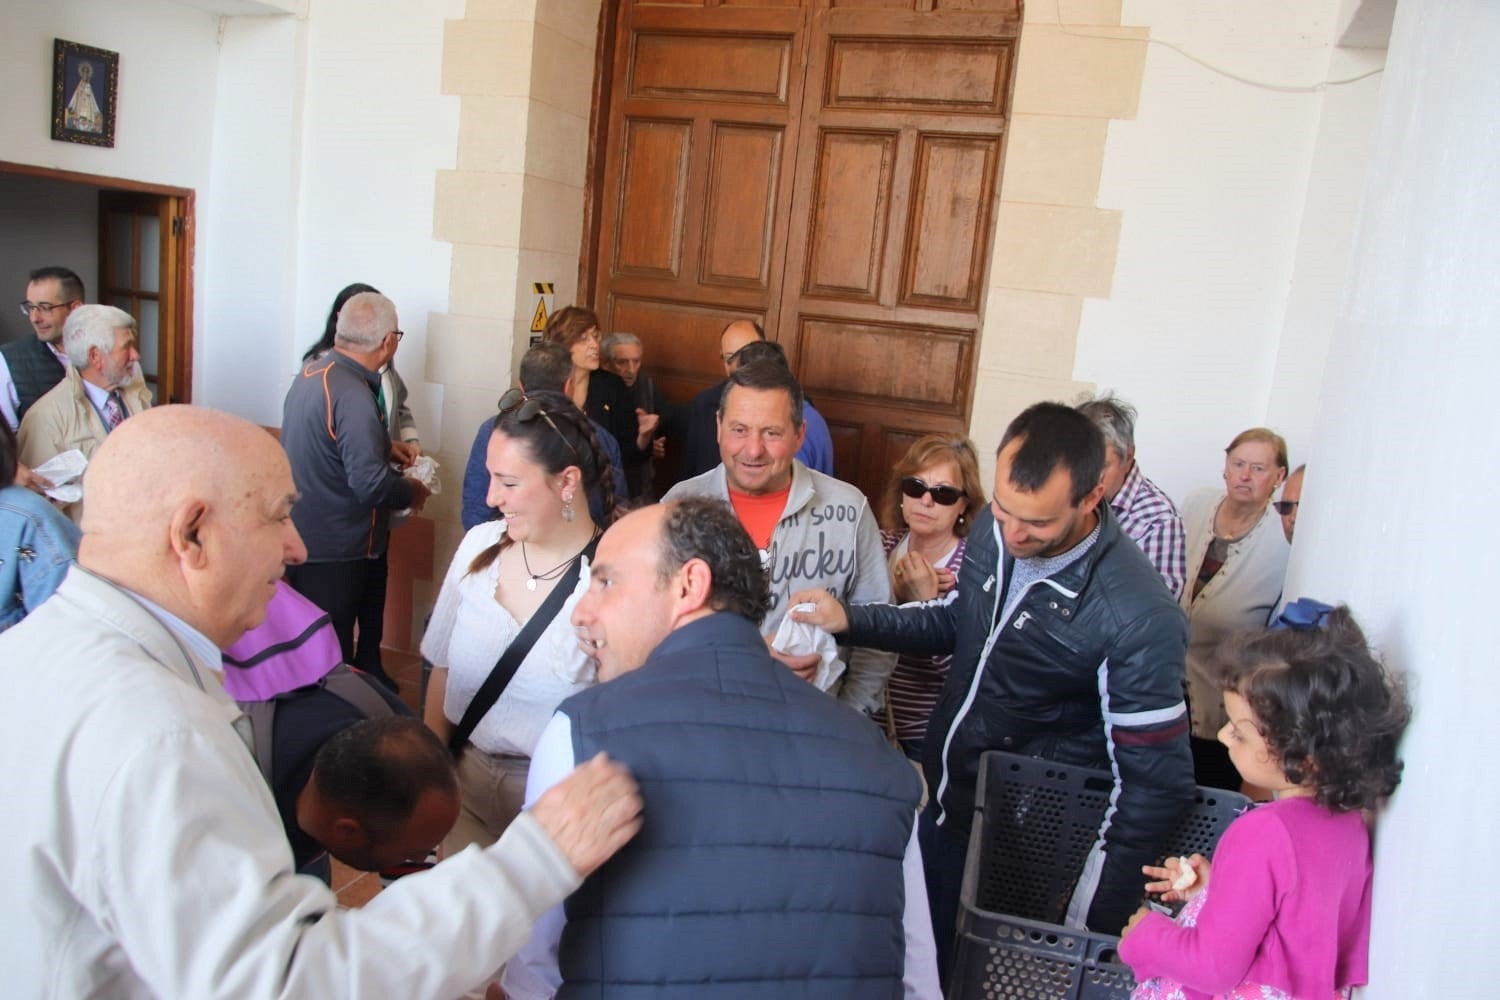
183,532
693,584
346,834
1091,500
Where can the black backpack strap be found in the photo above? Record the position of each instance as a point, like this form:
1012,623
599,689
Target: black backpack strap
510,661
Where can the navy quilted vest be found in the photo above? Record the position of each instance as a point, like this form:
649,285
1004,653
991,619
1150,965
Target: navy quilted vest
776,820
33,368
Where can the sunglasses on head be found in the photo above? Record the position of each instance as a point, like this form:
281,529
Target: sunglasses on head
943,496
1285,507
528,409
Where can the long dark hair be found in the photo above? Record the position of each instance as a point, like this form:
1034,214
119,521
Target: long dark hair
325,343
556,434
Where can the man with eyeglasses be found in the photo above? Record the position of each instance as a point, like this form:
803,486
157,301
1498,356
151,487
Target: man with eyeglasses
1067,646
31,366
334,433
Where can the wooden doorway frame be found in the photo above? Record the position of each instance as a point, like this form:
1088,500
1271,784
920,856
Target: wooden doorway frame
183,279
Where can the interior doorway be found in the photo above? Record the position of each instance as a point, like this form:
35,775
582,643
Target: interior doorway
131,242
830,171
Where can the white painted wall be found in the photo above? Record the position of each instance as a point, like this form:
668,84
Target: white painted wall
44,223
376,130
329,133
1401,478
1213,178
247,226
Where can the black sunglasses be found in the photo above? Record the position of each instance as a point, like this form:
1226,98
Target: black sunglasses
943,496
528,409
1285,507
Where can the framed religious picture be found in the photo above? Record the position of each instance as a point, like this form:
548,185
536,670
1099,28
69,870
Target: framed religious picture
85,82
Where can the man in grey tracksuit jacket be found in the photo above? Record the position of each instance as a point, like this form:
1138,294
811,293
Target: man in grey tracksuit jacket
826,539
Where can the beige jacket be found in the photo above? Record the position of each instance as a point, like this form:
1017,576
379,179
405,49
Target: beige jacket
142,855
64,419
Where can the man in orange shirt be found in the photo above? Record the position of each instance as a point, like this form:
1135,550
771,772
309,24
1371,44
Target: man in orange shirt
812,530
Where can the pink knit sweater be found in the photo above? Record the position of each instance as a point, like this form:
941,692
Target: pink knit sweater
1288,906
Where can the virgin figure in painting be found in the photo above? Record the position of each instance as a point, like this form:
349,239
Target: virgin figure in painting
83,110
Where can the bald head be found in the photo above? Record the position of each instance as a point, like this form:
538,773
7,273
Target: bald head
736,335
180,500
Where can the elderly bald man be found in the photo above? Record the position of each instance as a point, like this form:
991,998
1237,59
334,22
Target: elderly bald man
143,855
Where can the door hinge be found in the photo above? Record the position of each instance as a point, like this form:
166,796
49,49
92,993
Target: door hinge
178,225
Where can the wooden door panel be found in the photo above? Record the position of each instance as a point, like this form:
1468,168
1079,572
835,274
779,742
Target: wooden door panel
955,178
905,74
885,365
711,67
851,206
743,173
652,198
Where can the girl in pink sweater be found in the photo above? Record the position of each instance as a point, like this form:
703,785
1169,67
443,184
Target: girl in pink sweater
1315,718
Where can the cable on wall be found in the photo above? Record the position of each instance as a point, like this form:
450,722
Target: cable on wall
1283,88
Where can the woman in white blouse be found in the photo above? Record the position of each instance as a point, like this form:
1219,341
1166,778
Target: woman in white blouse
543,460
1236,562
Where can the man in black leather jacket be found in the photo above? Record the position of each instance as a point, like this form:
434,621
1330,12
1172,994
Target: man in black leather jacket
1068,647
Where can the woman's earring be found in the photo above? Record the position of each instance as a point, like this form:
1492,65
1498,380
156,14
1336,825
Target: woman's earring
568,506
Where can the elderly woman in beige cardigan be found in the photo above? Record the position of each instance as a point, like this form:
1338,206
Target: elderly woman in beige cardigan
1236,561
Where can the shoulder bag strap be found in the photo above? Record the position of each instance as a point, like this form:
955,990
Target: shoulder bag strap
505,668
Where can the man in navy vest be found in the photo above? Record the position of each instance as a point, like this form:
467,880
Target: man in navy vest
31,366
777,856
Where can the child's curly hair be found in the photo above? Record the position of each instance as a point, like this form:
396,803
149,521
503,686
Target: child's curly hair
1327,708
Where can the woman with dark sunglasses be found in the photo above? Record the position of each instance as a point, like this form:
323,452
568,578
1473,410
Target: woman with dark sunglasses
928,507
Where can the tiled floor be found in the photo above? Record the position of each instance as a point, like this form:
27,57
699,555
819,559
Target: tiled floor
356,888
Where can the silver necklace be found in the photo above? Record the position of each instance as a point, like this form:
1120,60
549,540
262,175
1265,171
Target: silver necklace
555,571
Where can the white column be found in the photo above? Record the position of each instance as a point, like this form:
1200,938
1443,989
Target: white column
1399,504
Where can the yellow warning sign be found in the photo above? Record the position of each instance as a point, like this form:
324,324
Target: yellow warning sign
539,318
541,287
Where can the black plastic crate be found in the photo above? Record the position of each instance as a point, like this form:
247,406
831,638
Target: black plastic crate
1009,958
1035,822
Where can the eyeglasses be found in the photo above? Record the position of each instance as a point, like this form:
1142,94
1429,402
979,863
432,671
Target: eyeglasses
1285,507
399,334
528,409
27,308
943,496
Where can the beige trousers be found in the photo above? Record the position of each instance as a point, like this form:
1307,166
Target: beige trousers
493,787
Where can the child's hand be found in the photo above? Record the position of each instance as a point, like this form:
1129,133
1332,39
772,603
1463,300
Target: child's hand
1135,918
1164,878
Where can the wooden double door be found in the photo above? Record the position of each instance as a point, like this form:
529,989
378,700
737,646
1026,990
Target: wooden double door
828,168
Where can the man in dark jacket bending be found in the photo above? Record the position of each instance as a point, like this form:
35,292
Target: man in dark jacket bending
1066,646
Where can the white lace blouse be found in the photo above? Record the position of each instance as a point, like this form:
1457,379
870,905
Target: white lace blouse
468,632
